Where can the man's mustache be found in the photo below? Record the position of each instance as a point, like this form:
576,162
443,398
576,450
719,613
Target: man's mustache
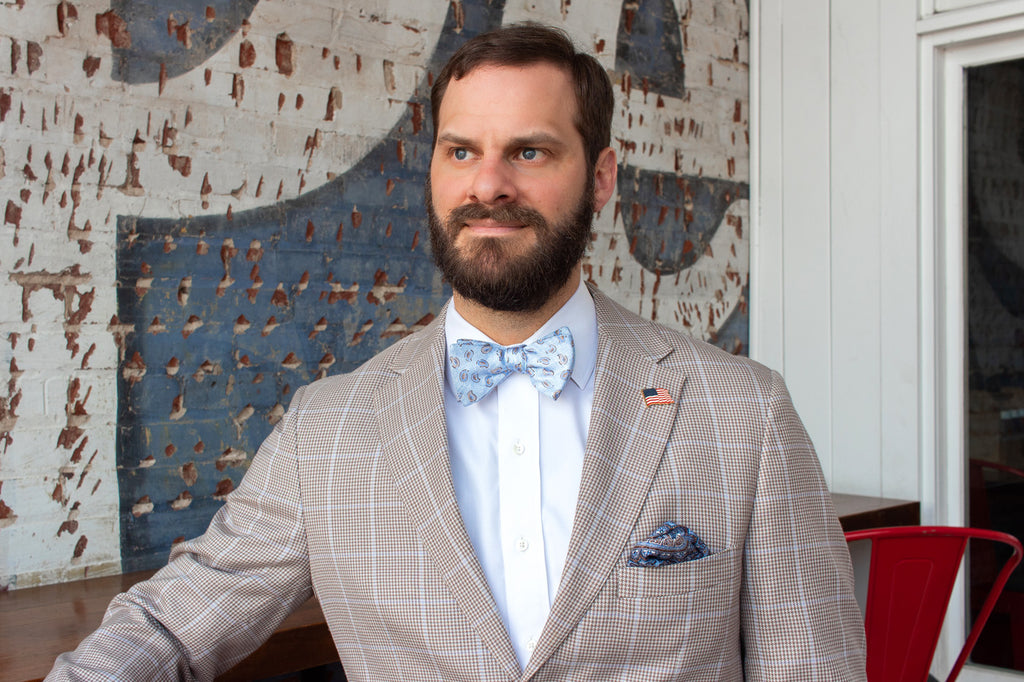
507,213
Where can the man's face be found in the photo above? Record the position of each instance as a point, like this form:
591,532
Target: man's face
510,197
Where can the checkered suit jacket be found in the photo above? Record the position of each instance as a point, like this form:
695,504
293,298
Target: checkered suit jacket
351,497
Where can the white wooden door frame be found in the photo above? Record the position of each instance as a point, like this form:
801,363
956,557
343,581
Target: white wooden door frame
949,44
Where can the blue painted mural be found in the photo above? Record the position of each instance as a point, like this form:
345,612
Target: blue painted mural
232,313
169,39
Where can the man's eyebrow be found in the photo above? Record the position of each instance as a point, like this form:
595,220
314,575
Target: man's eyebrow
453,139
535,139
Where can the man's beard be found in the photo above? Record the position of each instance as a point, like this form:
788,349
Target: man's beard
490,273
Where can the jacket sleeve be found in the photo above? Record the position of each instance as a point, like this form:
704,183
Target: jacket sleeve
222,594
800,618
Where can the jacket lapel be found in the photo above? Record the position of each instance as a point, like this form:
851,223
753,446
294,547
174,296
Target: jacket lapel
625,444
414,439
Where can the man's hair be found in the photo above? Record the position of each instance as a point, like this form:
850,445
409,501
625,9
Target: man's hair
530,43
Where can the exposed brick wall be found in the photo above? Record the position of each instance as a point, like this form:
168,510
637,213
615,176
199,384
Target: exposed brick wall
206,205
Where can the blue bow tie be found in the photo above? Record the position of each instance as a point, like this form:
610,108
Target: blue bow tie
479,366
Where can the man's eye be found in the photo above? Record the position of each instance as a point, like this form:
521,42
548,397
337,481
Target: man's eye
530,154
460,154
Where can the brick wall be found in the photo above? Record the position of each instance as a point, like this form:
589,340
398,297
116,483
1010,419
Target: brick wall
208,204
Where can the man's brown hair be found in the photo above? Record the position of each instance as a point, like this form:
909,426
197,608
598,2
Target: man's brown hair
530,43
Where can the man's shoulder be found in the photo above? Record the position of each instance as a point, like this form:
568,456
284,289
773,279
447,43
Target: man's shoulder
677,347
361,383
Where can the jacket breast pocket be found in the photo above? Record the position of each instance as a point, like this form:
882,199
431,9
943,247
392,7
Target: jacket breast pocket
715,570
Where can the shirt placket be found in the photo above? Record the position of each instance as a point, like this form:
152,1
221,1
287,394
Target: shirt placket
522,540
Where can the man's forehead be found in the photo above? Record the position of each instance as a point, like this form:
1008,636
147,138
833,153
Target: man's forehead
546,81
511,72
511,66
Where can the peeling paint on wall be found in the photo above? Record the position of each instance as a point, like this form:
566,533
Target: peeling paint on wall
207,205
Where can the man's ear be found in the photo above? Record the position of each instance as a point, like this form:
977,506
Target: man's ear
605,173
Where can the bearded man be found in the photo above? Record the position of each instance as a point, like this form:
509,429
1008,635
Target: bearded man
540,484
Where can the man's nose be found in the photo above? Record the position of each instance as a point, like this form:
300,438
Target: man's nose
493,182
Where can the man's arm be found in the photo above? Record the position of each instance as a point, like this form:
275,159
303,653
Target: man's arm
799,616
222,594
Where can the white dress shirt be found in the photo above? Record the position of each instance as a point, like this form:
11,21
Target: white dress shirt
516,461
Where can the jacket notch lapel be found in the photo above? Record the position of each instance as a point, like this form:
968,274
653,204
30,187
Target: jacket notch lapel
625,444
411,419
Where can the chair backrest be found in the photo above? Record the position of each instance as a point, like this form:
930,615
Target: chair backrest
913,570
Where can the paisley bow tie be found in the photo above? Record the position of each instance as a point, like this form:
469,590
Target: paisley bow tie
479,366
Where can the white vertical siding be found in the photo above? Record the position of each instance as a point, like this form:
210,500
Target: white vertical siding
835,265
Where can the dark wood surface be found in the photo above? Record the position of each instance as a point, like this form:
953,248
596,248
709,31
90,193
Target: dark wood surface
38,623
857,512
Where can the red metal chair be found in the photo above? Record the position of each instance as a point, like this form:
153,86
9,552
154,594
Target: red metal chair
913,569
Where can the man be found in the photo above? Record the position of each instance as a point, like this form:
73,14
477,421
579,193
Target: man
620,502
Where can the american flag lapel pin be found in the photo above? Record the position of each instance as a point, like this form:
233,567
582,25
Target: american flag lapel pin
657,396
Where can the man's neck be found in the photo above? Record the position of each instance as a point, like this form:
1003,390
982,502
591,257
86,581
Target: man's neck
510,328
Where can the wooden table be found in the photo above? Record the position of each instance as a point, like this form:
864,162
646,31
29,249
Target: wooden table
857,512
38,623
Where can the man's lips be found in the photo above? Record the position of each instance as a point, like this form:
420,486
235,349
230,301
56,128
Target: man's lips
491,228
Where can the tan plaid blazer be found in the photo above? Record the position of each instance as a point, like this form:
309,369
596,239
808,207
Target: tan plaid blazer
351,497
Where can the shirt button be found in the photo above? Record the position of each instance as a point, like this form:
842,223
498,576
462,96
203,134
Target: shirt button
518,447
522,545
531,645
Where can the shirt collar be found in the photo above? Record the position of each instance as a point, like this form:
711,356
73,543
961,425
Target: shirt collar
578,314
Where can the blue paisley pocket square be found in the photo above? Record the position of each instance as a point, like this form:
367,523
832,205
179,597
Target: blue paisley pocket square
671,543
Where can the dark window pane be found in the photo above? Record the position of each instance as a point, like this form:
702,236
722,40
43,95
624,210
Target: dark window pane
995,344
